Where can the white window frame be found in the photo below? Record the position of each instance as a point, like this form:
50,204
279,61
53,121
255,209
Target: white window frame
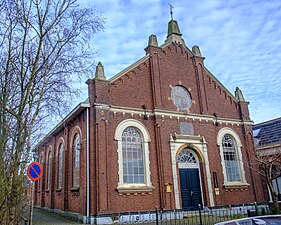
232,184
134,187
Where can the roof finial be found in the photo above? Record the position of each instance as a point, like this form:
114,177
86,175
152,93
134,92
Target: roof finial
99,75
171,11
239,95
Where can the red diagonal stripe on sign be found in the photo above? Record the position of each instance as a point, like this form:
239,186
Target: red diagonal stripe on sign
35,171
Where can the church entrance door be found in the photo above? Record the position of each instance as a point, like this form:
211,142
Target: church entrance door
190,184
190,189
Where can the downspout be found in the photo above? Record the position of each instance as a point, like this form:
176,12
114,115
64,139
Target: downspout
88,168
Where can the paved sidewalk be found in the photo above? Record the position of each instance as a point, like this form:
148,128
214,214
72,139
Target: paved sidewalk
41,217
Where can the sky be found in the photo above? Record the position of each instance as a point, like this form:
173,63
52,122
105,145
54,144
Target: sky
240,40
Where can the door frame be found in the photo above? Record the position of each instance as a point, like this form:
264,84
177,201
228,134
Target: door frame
191,166
199,145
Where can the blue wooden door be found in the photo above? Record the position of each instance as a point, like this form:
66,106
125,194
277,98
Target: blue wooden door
190,189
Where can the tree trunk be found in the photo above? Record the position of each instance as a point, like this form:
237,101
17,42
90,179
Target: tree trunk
275,204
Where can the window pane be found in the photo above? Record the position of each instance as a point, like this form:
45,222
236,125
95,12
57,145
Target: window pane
130,179
132,151
141,179
275,187
278,181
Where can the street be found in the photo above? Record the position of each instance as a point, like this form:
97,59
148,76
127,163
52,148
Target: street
41,217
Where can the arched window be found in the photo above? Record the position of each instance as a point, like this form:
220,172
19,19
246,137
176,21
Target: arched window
230,148
60,158
187,158
49,164
133,156
76,160
230,158
41,161
132,151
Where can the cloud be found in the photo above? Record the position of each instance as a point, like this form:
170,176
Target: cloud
240,40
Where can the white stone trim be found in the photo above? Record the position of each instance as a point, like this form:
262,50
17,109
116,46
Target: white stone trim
221,133
147,186
177,142
208,172
166,114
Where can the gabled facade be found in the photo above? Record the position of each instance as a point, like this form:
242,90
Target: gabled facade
163,132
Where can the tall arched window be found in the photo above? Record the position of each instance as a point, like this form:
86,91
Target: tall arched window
133,157
132,151
230,158
76,160
41,161
49,164
60,158
230,148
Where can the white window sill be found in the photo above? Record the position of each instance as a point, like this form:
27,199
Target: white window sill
236,185
73,189
134,188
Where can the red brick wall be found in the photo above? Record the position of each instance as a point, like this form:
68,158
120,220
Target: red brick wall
175,66
148,83
64,199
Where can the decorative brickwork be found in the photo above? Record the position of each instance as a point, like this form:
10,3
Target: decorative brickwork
142,93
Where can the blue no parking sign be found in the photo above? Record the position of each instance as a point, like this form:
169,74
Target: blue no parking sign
35,171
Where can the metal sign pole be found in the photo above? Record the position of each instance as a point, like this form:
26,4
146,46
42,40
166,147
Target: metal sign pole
32,203
34,172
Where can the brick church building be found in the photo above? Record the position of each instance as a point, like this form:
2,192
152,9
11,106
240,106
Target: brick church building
163,132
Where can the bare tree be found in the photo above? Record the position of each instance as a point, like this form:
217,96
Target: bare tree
45,48
267,162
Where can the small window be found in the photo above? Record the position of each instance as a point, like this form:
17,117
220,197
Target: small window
76,160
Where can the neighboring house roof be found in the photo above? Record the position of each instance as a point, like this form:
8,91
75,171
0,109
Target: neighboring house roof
268,132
